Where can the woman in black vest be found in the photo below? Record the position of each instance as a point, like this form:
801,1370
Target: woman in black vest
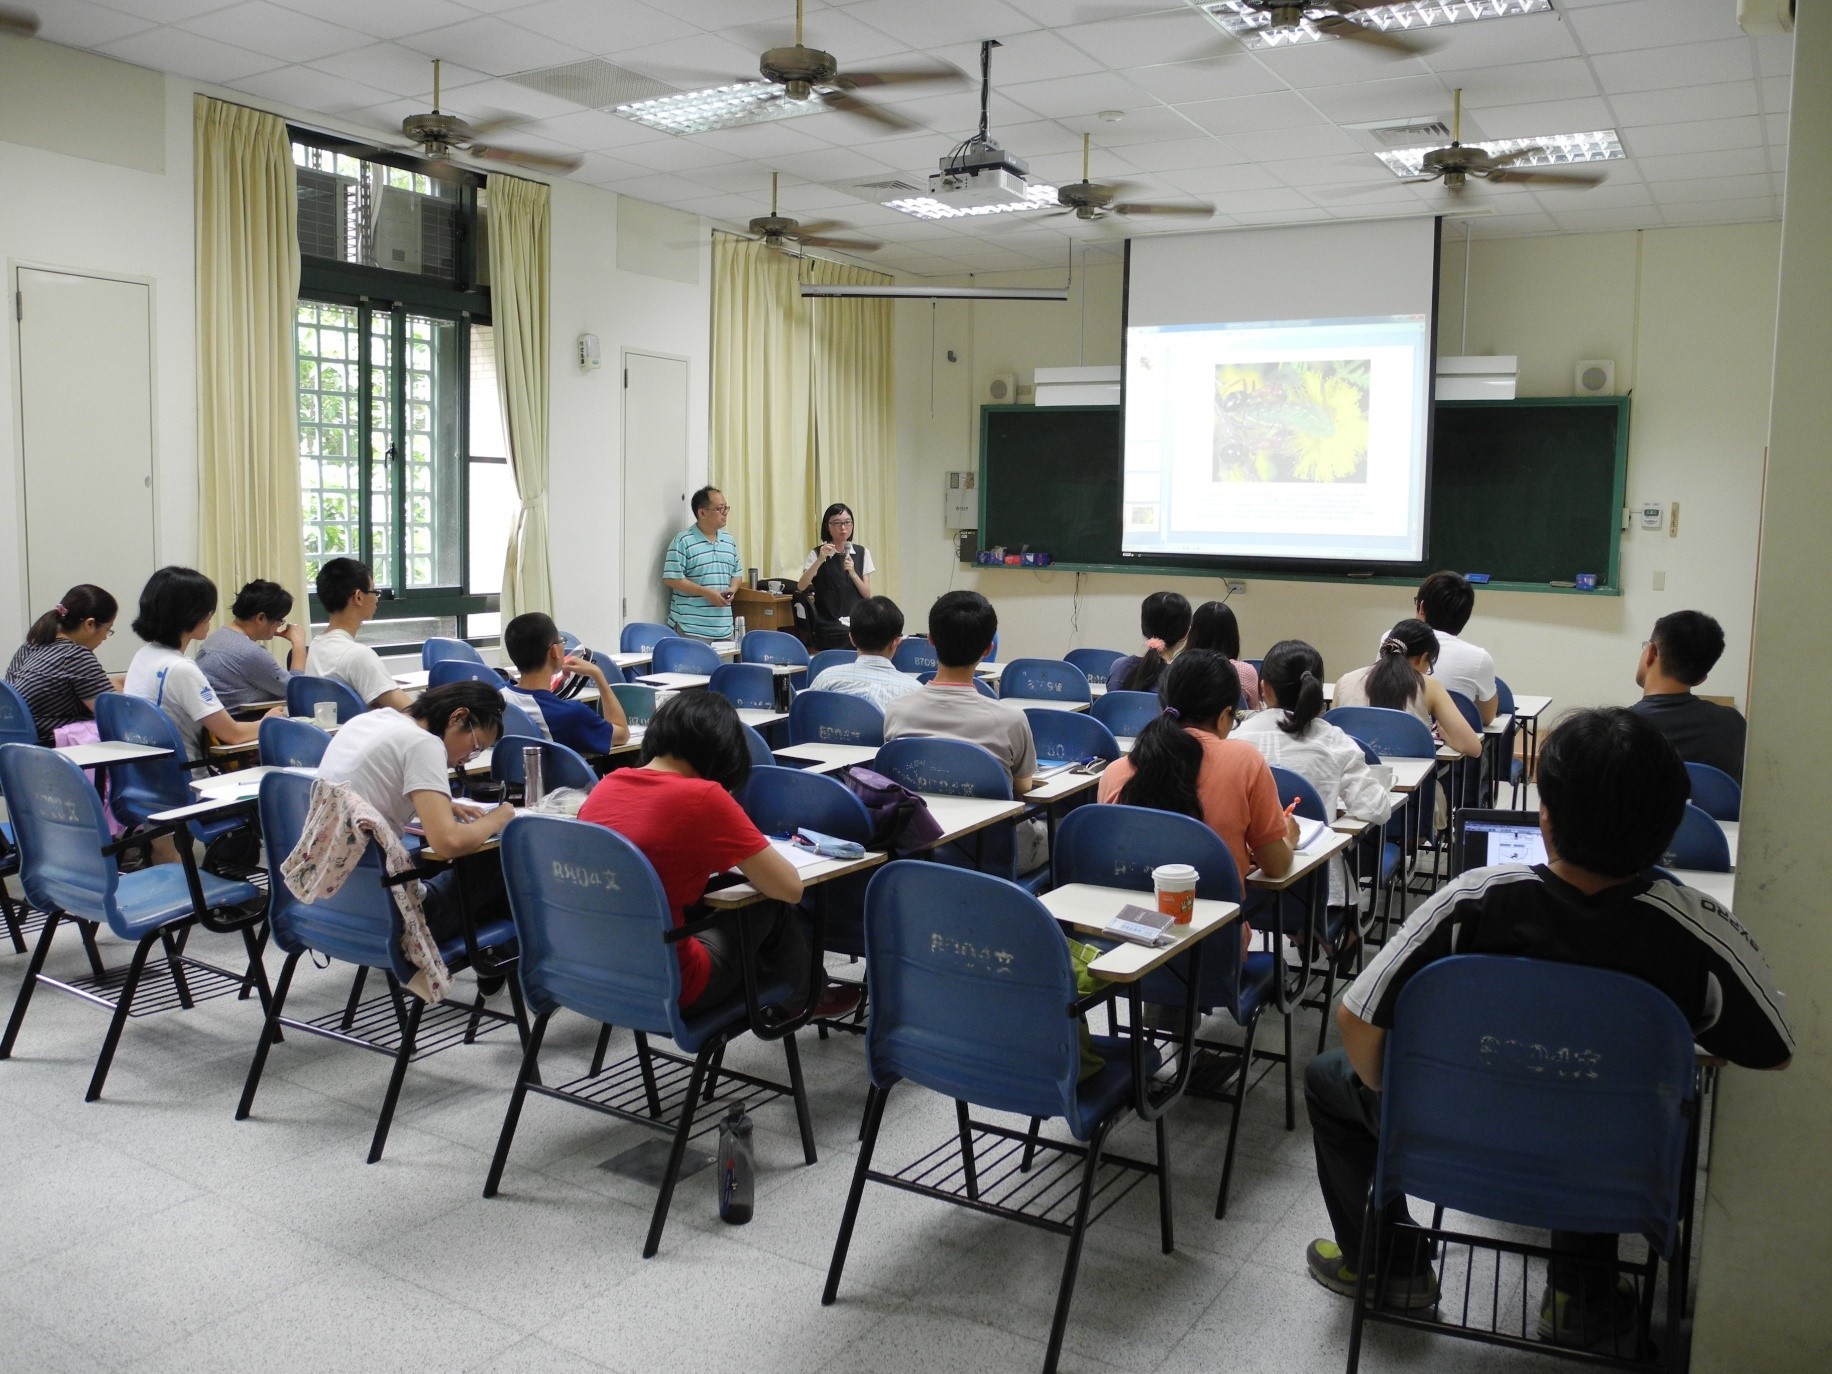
839,571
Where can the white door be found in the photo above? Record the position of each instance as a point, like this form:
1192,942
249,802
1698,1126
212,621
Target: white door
86,416
654,476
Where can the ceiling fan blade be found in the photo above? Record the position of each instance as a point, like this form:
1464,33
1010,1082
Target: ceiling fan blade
1390,43
1148,207
1503,159
805,227
850,104
845,245
522,157
24,23
1533,176
900,76
1368,188
496,124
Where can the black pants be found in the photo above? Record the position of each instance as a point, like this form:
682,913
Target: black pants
779,947
485,899
1345,1132
830,634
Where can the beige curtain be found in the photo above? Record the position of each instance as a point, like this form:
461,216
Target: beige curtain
520,216
249,519
801,406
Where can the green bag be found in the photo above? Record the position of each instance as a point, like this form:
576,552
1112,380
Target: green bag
1081,955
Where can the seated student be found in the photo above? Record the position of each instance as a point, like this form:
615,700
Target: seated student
350,599
534,646
240,669
1683,649
1444,602
1402,680
1291,733
401,764
1214,627
176,607
877,630
678,809
1611,791
56,669
1164,620
1184,761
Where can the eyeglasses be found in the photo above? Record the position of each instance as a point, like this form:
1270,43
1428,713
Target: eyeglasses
842,521
720,510
476,746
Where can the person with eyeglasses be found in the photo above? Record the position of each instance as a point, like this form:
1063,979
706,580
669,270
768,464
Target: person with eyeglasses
401,764
701,570
839,572
56,670
347,589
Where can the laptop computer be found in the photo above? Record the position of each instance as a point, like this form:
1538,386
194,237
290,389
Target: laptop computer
1482,838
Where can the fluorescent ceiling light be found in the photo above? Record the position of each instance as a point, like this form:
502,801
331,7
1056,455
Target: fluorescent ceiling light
927,207
924,293
1252,26
718,107
1557,150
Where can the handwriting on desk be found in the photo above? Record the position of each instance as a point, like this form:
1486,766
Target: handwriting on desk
994,960
1539,1061
580,876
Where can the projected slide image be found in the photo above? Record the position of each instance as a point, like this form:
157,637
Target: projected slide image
1294,420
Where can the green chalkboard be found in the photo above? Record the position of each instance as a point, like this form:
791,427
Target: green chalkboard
1528,491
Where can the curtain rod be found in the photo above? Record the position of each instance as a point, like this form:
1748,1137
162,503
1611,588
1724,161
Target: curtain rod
925,293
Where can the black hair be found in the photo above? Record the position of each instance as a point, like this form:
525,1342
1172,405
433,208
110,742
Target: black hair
702,499
702,730
173,601
433,708
1394,682
1690,644
340,579
84,601
1214,627
962,626
1446,600
876,622
528,637
261,598
1294,671
1197,687
1165,616
1614,790
837,508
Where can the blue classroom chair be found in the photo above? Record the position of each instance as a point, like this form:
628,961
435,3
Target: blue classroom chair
830,658
1715,792
762,756
16,727
304,691
834,718
560,766
439,649
1045,679
640,636
915,655
678,655
449,670
748,686
1126,713
776,647
518,722
955,768
138,791
288,743
780,801
637,700
981,685
1699,843
1064,735
1095,664
1396,734
16,723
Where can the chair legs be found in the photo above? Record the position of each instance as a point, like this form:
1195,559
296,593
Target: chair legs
598,1053
530,1074
26,988
682,1131
968,1169
9,912
410,1028
875,1098
1066,1293
800,1092
1167,1233
123,1004
270,1032
1240,1102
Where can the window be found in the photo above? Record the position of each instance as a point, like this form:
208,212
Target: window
403,461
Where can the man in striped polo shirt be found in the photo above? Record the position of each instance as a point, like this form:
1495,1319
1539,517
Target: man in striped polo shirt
700,570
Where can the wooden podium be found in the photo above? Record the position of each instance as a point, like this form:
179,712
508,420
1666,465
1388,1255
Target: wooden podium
765,610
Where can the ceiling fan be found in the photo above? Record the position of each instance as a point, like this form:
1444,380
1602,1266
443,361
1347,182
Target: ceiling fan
23,23
1331,18
1093,200
778,231
439,137
1456,164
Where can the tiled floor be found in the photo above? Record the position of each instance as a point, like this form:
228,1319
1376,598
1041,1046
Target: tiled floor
151,1231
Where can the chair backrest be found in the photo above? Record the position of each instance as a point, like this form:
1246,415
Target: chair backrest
1715,792
677,655
781,800
970,990
1126,713
772,646
1062,735
992,654
560,766
358,923
288,743
915,655
1118,846
569,641
60,832
980,684
748,686
518,722
590,916
16,723
1296,787
949,767
137,790
439,649
449,670
1095,664
640,636
637,700
303,692
1467,709
1399,734
1540,1094
834,718
762,756
1048,679
830,658
1698,843
1504,698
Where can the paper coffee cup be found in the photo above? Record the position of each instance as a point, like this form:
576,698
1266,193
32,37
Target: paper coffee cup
1175,885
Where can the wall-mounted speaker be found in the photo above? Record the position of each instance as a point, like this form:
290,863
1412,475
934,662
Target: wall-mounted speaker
1002,389
1594,377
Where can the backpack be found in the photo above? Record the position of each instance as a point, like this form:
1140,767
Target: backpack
900,819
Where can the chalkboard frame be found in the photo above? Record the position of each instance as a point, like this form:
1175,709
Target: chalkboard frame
1403,575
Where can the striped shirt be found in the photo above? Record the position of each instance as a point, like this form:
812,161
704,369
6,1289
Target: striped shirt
56,679
1672,936
711,563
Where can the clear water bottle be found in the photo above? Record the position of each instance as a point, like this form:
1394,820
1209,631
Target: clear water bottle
737,1167
737,629
534,787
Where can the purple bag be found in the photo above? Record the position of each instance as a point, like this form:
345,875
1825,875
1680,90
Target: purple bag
900,819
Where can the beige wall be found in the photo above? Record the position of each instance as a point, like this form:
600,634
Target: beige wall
1688,315
1769,1204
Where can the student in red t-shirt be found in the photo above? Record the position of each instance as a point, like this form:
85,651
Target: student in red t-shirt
679,810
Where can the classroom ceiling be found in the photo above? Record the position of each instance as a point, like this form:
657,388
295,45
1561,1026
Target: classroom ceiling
1269,136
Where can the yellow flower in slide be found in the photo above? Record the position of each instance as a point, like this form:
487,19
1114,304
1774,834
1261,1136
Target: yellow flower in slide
1333,456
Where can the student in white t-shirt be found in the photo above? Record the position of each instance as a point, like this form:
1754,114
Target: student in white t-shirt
176,608
347,590
1445,601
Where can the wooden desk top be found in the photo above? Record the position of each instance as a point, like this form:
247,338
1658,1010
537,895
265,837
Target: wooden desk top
1408,774
1529,707
1088,908
828,758
962,816
757,719
680,682
1060,786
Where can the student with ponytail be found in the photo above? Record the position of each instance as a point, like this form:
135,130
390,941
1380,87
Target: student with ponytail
56,669
1164,620
1401,680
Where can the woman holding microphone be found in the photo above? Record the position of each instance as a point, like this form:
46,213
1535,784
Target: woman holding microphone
840,572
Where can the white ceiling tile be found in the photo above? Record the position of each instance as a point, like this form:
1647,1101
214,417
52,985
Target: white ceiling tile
1262,202
1149,124
1078,95
494,98
1724,100
1603,219
1210,181
310,90
79,24
391,67
187,54
1777,92
598,129
1324,171
668,154
1184,153
1613,194
267,28
663,188
165,11
832,30
1643,23
737,178
1390,101
934,23
1053,169
831,164
1697,136
1214,79
1774,54
601,26
1692,166
805,197
1530,121
1334,61
1522,38
1034,56
1690,64
494,46
596,167
1710,188
1166,36
764,140
1249,114
1280,145
700,59
393,18
1504,226
1723,211
1042,136
1295,215
1527,83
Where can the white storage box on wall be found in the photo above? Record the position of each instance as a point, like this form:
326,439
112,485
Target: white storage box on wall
1477,379
1078,386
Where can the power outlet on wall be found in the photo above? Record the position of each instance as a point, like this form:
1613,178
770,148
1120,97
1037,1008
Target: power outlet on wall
1236,588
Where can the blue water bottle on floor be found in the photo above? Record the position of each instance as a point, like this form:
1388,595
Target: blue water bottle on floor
737,1167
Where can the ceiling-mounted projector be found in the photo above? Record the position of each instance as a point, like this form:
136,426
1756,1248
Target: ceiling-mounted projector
979,172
